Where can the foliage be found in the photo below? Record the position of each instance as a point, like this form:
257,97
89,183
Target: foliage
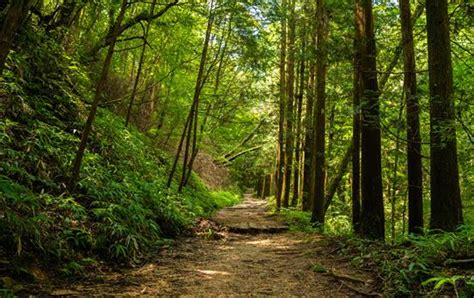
336,224
121,210
417,264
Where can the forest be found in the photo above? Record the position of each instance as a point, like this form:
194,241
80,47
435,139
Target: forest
250,148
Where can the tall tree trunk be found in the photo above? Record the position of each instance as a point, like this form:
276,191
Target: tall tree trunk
180,146
282,104
98,96
290,105
320,116
267,186
196,141
299,110
356,95
415,174
192,125
398,51
140,65
307,201
446,209
16,13
372,215
393,187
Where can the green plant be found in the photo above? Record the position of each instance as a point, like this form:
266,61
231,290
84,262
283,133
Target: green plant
415,264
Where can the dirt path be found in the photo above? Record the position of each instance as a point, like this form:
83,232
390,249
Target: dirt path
253,255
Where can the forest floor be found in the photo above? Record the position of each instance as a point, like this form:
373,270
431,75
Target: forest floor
243,250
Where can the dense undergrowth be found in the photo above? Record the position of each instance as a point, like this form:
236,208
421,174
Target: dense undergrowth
428,265
434,264
121,210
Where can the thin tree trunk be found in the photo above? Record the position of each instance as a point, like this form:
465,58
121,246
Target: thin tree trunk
393,191
415,174
267,186
398,51
341,171
289,139
356,95
221,53
244,141
307,202
282,103
192,125
180,147
446,209
191,143
140,65
239,154
372,215
299,110
98,96
318,213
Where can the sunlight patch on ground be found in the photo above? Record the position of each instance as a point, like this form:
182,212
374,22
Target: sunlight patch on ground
273,243
262,242
213,272
226,248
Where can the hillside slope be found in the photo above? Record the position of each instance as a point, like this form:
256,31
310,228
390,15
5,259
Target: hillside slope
121,210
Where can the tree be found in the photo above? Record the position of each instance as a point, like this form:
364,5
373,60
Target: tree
290,85
356,95
372,213
140,65
415,174
109,36
299,111
307,200
76,168
320,116
446,209
190,129
280,173
16,12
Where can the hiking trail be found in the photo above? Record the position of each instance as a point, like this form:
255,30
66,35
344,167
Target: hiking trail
243,250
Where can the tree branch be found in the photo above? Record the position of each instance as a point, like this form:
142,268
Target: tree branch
130,23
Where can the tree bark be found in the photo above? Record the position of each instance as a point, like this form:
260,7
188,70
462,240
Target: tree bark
307,202
267,186
280,185
299,110
16,13
318,213
356,95
446,209
415,174
393,187
98,96
398,51
372,215
289,137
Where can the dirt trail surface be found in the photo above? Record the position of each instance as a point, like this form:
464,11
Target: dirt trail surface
250,252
